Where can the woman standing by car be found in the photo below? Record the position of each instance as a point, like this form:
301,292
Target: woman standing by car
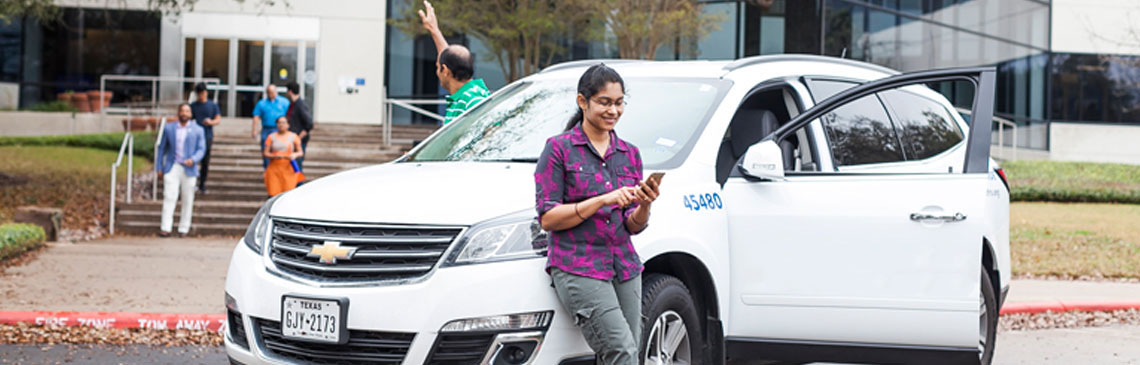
591,199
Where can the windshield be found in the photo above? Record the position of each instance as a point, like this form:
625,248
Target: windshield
663,118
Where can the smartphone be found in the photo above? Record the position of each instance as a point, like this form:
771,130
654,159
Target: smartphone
656,177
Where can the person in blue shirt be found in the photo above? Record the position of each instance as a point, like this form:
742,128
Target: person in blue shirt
266,113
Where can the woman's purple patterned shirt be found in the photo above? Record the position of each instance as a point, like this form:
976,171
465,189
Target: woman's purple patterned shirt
570,170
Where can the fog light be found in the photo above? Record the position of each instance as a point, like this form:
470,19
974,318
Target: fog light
515,348
524,321
514,355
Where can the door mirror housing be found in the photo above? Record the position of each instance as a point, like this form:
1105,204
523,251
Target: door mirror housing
764,161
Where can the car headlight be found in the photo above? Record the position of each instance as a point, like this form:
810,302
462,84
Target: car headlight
257,233
511,237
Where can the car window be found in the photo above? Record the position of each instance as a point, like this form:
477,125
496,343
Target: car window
859,132
664,117
925,126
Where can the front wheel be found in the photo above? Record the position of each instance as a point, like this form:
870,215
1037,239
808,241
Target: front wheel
987,321
671,329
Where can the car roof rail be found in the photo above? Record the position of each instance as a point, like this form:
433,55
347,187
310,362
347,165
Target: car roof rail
590,62
754,60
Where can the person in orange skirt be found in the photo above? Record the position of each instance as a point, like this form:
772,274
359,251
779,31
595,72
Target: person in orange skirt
281,149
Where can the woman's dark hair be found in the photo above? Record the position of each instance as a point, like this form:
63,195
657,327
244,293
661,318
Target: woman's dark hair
592,81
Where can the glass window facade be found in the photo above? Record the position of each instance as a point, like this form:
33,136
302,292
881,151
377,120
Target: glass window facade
1035,86
72,54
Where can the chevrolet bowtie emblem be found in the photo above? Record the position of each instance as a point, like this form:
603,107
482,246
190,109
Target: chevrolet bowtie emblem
330,251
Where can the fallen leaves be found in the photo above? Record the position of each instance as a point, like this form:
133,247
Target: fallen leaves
32,334
1071,319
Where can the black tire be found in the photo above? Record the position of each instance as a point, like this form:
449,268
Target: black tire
987,321
664,296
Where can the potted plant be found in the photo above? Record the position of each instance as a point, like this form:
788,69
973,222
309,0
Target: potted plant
65,96
79,101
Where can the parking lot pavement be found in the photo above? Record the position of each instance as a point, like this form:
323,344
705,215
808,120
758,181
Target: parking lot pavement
107,354
122,274
1092,345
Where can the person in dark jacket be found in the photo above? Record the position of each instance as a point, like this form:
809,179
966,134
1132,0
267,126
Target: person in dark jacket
207,114
300,118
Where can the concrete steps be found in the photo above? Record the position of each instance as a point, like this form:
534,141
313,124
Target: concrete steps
237,183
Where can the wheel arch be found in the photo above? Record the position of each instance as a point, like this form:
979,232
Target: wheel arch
697,278
990,264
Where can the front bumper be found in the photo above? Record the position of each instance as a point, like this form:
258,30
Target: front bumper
420,308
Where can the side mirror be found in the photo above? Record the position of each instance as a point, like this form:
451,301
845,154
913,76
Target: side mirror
764,161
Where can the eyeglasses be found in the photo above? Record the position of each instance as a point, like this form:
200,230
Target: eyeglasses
606,102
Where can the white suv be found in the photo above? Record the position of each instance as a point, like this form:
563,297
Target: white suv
813,209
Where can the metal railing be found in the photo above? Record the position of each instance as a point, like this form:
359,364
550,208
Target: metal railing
154,106
406,104
127,146
1002,123
157,141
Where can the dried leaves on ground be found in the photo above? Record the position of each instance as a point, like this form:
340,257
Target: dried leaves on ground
31,334
75,179
1071,319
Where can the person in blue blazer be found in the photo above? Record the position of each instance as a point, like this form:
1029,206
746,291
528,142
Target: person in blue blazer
181,149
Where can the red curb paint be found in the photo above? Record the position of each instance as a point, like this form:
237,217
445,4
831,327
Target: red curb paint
1064,306
211,322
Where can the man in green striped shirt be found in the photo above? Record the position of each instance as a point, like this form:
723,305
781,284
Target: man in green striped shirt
455,68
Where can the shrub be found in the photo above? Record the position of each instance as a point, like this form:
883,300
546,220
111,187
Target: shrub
17,238
1057,181
144,142
54,106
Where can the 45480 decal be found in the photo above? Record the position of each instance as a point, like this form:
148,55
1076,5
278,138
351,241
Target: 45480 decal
707,201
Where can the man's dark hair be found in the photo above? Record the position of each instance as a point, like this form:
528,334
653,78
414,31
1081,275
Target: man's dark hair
294,87
200,87
463,68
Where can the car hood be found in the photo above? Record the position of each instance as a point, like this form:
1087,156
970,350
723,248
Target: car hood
430,193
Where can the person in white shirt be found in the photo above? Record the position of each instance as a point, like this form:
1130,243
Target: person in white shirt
181,149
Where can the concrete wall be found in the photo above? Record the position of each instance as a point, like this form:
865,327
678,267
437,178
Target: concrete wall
1094,143
1096,26
22,124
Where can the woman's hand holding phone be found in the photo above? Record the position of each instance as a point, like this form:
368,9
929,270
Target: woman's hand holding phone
650,188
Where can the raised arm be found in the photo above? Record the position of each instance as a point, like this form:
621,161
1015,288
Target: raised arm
432,25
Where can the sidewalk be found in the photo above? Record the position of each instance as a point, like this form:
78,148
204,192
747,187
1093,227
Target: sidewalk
1055,290
122,274
1031,296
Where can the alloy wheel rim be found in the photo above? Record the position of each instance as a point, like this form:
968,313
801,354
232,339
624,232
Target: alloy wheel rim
983,327
668,341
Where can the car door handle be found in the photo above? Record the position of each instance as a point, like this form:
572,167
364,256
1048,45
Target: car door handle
919,217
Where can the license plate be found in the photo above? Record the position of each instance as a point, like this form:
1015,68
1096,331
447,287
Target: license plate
314,320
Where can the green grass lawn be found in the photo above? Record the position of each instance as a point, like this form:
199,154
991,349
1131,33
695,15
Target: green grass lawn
1073,181
1075,239
73,178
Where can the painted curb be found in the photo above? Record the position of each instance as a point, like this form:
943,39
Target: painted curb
211,322
1066,306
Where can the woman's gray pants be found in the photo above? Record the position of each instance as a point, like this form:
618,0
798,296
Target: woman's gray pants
609,313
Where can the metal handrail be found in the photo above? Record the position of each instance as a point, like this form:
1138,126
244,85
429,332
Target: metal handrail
407,104
128,146
157,141
1002,123
154,80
